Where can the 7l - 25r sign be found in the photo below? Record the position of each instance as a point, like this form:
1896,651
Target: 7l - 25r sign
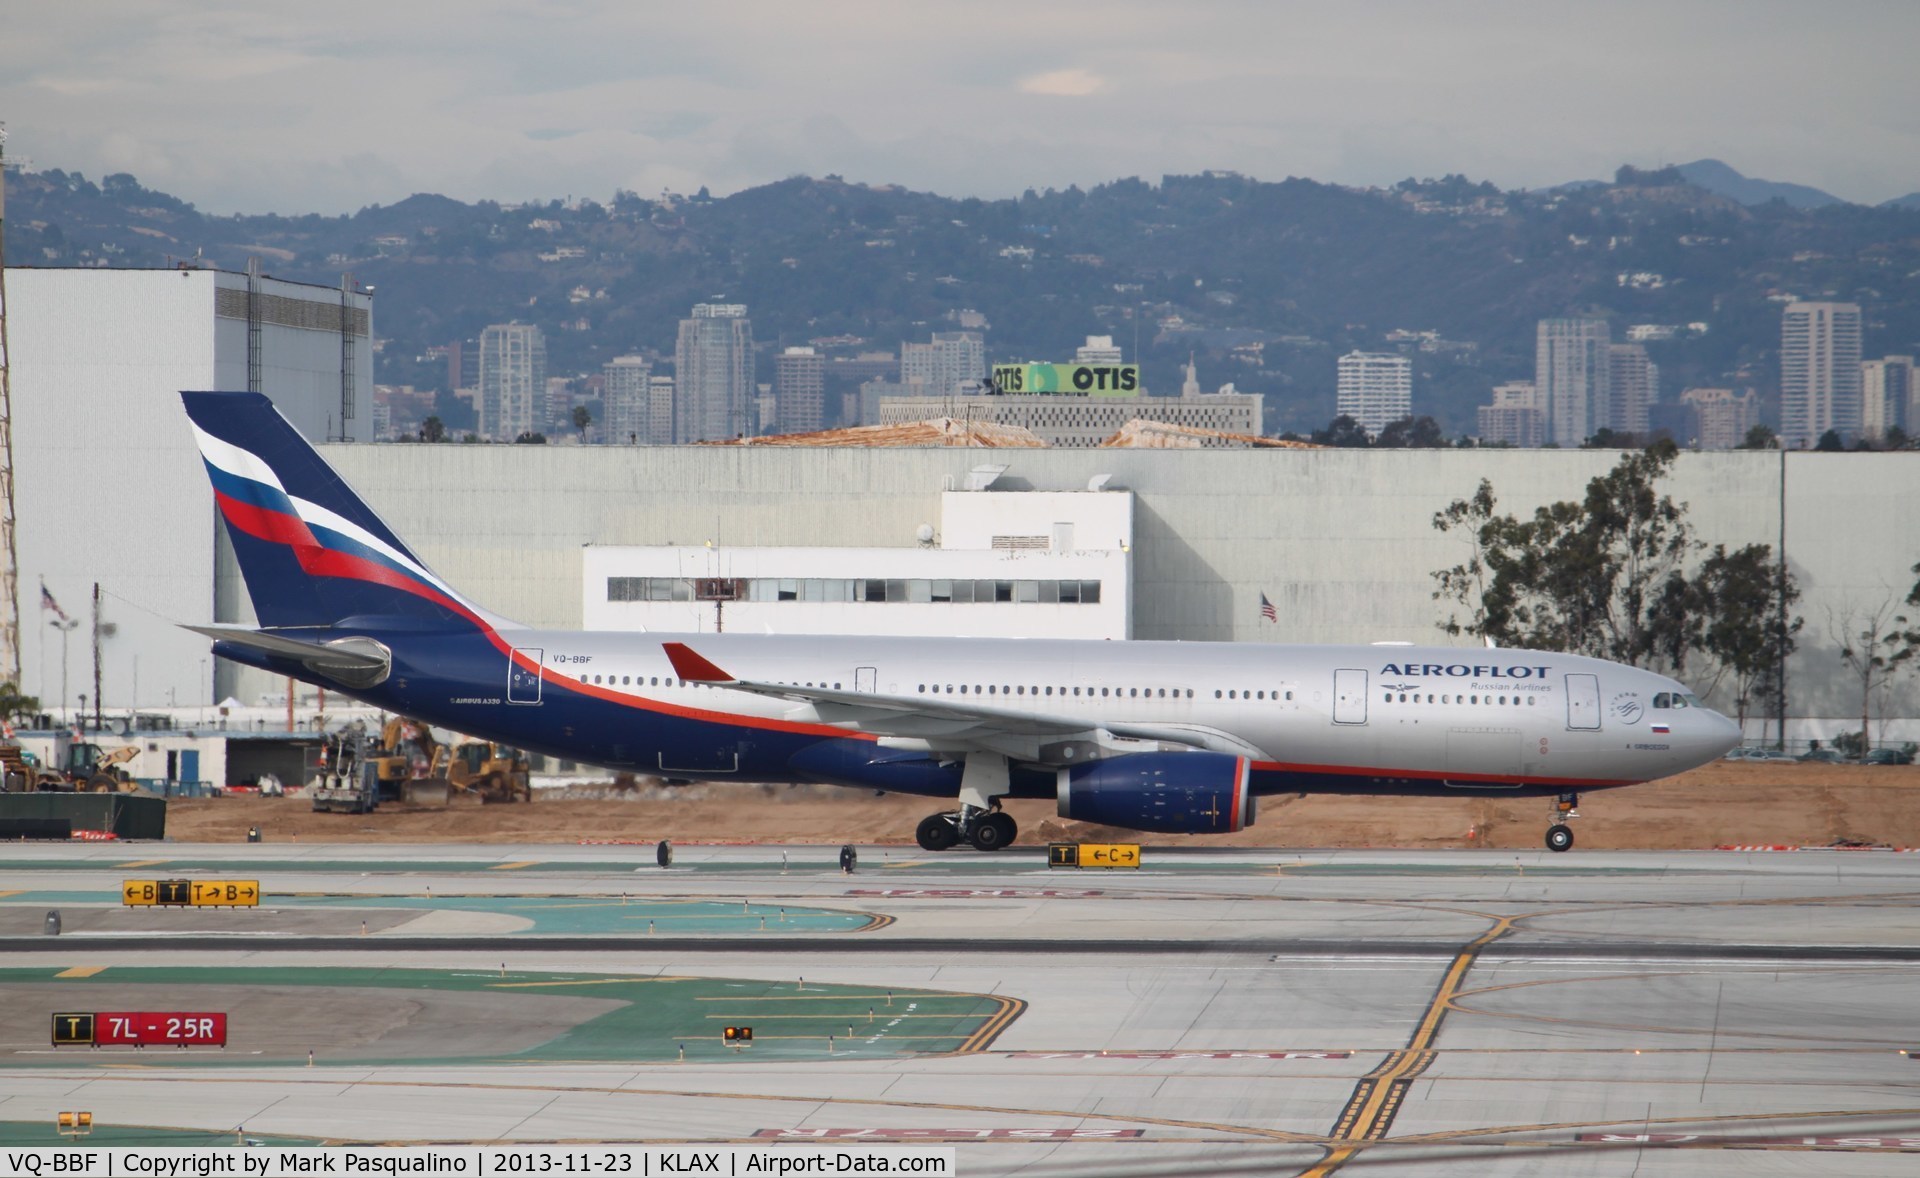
140,1028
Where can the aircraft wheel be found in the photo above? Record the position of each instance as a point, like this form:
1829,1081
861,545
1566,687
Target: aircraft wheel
936,833
992,831
1559,837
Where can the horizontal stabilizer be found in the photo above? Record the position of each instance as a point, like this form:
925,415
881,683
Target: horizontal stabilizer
354,661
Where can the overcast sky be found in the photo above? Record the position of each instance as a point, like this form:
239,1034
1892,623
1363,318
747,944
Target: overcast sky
270,106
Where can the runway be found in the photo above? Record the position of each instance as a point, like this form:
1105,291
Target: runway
1270,1012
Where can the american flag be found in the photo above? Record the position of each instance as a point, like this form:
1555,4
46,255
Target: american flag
1267,611
47,602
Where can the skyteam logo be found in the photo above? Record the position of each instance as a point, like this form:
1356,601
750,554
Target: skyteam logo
1626,705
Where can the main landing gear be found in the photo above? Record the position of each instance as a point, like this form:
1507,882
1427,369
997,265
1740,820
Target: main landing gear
1560,836
979,820
986,830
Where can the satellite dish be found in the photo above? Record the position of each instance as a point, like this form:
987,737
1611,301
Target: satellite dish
924,533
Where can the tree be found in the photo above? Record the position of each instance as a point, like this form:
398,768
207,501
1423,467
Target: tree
1421,433
13,704
1759,437
1876,644
1738,612
1608,576
582,418
433,430
1829,442
1342,431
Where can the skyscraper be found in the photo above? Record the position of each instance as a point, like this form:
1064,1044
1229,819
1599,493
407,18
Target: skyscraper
660,409
1722,417
1572,371
799,391
1886,395
1375,388
1515,417
713,374
513,380
1634,385
1819,372
954,362
627,399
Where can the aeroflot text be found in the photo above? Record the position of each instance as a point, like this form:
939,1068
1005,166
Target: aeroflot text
1461,670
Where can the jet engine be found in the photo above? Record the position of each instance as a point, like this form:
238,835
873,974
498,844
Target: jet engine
1171,793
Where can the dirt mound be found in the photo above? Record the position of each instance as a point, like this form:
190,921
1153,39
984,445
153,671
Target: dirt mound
1728,802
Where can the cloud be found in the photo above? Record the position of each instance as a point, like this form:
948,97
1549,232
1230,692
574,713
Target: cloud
238,106
1066,83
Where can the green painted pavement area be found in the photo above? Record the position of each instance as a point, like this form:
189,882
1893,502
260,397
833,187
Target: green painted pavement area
556,915
44,1133
657,1018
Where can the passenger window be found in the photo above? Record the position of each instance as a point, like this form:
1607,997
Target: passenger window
1216,693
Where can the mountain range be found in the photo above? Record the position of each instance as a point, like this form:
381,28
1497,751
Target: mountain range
1265,284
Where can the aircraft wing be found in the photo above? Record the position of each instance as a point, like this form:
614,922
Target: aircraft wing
949,724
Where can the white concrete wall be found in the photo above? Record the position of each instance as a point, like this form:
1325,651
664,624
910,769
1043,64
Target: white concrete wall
1341,541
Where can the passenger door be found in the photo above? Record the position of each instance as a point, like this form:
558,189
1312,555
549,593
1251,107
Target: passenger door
523,685
1583,702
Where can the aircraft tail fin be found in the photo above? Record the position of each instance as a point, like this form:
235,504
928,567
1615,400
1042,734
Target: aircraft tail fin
311,551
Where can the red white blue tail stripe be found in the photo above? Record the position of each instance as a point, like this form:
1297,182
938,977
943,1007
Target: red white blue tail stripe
279,500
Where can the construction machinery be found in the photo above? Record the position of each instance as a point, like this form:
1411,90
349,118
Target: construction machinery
410,765
87,769
343,780
491,772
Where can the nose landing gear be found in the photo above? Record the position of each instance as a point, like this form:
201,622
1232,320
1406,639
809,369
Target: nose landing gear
1565,808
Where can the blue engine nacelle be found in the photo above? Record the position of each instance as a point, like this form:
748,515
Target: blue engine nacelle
1172,793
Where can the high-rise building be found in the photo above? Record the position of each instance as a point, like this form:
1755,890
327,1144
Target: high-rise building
713,374
1819,372
513,380
954,362
1375,388
660,409
1515,417
1633,386
1886,395
1098,349
627,401
799,391
1572,370
1721,417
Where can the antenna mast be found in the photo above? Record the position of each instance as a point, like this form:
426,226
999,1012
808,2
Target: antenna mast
9,562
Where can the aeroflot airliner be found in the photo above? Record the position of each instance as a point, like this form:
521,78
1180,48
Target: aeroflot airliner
1154,736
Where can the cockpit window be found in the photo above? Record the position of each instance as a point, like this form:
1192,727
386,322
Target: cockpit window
1663,700
1688,700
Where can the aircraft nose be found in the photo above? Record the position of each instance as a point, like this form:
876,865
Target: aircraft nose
1723,734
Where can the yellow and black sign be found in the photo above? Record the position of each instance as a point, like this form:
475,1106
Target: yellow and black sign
1093,854
191,893
72,1030
738,1036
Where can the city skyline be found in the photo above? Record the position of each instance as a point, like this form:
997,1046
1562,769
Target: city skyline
507,106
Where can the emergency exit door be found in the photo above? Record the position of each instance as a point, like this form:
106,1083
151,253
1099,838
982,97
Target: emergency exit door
1349,696
1583,702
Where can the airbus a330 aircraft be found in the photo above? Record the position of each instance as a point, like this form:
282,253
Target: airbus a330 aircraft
1156,736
